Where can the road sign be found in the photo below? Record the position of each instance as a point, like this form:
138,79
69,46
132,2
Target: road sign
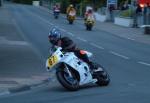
111,1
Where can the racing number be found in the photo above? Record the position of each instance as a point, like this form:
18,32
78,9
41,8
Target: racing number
52,60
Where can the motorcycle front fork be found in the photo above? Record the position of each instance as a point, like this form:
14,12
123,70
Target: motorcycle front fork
67,70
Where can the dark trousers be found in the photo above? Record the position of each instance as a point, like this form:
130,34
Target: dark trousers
83,57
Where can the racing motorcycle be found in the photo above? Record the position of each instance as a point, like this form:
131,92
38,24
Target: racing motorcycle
72,72
56,13
71,17
89,23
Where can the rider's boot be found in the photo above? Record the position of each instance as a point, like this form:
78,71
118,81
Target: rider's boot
94,68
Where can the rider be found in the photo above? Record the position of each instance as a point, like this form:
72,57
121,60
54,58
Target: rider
70,9
88,13
68,46
56,8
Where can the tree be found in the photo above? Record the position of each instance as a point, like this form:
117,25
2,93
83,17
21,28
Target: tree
23,1
64,5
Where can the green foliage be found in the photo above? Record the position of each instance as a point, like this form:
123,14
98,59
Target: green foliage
23,1
64,5
75,1
126,13
123,1
16,1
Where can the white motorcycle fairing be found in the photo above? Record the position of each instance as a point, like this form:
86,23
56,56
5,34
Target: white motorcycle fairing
75,63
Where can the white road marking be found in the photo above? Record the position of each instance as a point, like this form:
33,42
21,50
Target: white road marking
57,26
81,39
9,42
2,38
131,84
17,43
62,29
144,63
64,16
4,93
97,46
117,54
51,23
71,34
43,20
130,39
46,21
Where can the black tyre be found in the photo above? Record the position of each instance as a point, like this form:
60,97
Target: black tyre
70,22
56,17
102,77
89,27
63,78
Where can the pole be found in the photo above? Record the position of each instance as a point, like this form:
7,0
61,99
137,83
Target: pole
0,3
134,3
81,8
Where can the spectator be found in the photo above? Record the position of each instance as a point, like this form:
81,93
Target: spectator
138,9
145,12
148,12
88,13
111,8
137,15
125,7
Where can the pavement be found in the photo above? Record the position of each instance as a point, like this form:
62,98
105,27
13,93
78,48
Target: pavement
134,34
15,49
21,65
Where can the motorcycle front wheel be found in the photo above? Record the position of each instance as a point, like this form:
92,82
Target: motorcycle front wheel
70,21
56,17
89,27
70,83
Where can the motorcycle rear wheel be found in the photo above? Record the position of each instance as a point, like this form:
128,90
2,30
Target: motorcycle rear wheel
102,77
